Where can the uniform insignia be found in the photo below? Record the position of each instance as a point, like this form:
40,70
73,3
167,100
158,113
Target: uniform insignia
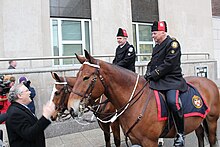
172,51
129,54
197,101
130,49
174,44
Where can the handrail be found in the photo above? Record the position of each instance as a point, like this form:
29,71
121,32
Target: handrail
75,67
206,55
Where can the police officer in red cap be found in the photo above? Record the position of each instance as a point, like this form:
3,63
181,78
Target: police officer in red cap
165,74
125,53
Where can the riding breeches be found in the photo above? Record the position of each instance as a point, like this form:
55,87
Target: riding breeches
173,101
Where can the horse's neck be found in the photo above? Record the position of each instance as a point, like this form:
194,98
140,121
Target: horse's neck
119,84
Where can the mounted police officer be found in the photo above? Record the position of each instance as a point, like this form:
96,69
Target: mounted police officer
125,53
165,74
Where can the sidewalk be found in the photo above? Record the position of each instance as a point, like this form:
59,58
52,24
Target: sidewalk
90,138
95,138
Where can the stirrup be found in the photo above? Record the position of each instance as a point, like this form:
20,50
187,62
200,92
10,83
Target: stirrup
179,140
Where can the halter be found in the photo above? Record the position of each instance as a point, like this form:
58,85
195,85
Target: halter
61,105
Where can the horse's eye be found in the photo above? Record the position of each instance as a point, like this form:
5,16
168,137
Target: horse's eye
85,78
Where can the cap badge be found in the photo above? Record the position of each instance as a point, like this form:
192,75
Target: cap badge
161,24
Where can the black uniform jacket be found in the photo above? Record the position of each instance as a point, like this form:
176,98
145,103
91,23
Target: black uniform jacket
23,128
125,57
165,66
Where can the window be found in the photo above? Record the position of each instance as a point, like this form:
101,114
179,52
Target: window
142,40
69,36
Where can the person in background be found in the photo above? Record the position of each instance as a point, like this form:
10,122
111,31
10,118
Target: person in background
5,86
165,74
125,53
27,83
12,64
24,129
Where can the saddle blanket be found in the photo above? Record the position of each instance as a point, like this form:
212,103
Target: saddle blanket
192,103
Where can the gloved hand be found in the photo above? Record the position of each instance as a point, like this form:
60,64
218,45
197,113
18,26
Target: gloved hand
148,76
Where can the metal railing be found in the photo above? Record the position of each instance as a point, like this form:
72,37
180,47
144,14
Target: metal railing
75,66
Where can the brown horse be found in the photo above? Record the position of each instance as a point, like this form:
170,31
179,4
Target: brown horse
136,104
63,87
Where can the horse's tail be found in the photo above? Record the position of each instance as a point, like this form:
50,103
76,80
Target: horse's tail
206,128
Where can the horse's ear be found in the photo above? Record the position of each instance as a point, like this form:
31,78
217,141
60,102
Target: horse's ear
80,58
52,74
89,57
55,76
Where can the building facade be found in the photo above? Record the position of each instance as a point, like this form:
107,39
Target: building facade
43,28
60,28
216,31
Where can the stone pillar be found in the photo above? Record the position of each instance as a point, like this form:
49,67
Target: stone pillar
107,17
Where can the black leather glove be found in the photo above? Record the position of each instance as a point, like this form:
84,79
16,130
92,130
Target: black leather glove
148,76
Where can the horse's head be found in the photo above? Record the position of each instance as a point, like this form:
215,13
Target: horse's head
88,87
63,86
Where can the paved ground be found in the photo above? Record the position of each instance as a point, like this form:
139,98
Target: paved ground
95,138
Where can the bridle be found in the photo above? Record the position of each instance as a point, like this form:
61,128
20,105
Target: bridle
86,97
61,106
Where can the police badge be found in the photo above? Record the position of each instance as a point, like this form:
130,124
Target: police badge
130,49
174,44
197,101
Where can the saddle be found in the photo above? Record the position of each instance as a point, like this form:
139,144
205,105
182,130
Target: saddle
193,104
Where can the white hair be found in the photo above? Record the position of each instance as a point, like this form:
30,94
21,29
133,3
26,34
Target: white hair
14,91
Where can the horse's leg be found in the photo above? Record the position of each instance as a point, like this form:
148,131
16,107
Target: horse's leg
211,123
160,142
200,135
116,133
106,129
149,143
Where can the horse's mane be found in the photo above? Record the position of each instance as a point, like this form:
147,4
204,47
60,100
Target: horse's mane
116,68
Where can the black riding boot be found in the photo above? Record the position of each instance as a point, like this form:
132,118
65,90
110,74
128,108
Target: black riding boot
179,124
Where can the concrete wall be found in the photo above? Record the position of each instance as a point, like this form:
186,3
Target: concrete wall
1,30
216,37
189,23
25,29
107,17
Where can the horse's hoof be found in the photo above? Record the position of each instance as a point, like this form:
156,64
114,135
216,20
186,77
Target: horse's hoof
160,144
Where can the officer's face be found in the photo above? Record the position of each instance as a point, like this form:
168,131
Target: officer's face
121,40
158,36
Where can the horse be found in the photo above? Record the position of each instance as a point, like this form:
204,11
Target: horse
136,104
63,87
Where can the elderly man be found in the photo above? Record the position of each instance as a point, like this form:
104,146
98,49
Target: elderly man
23,127
165,74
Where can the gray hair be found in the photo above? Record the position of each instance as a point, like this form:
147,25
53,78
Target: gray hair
14,91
